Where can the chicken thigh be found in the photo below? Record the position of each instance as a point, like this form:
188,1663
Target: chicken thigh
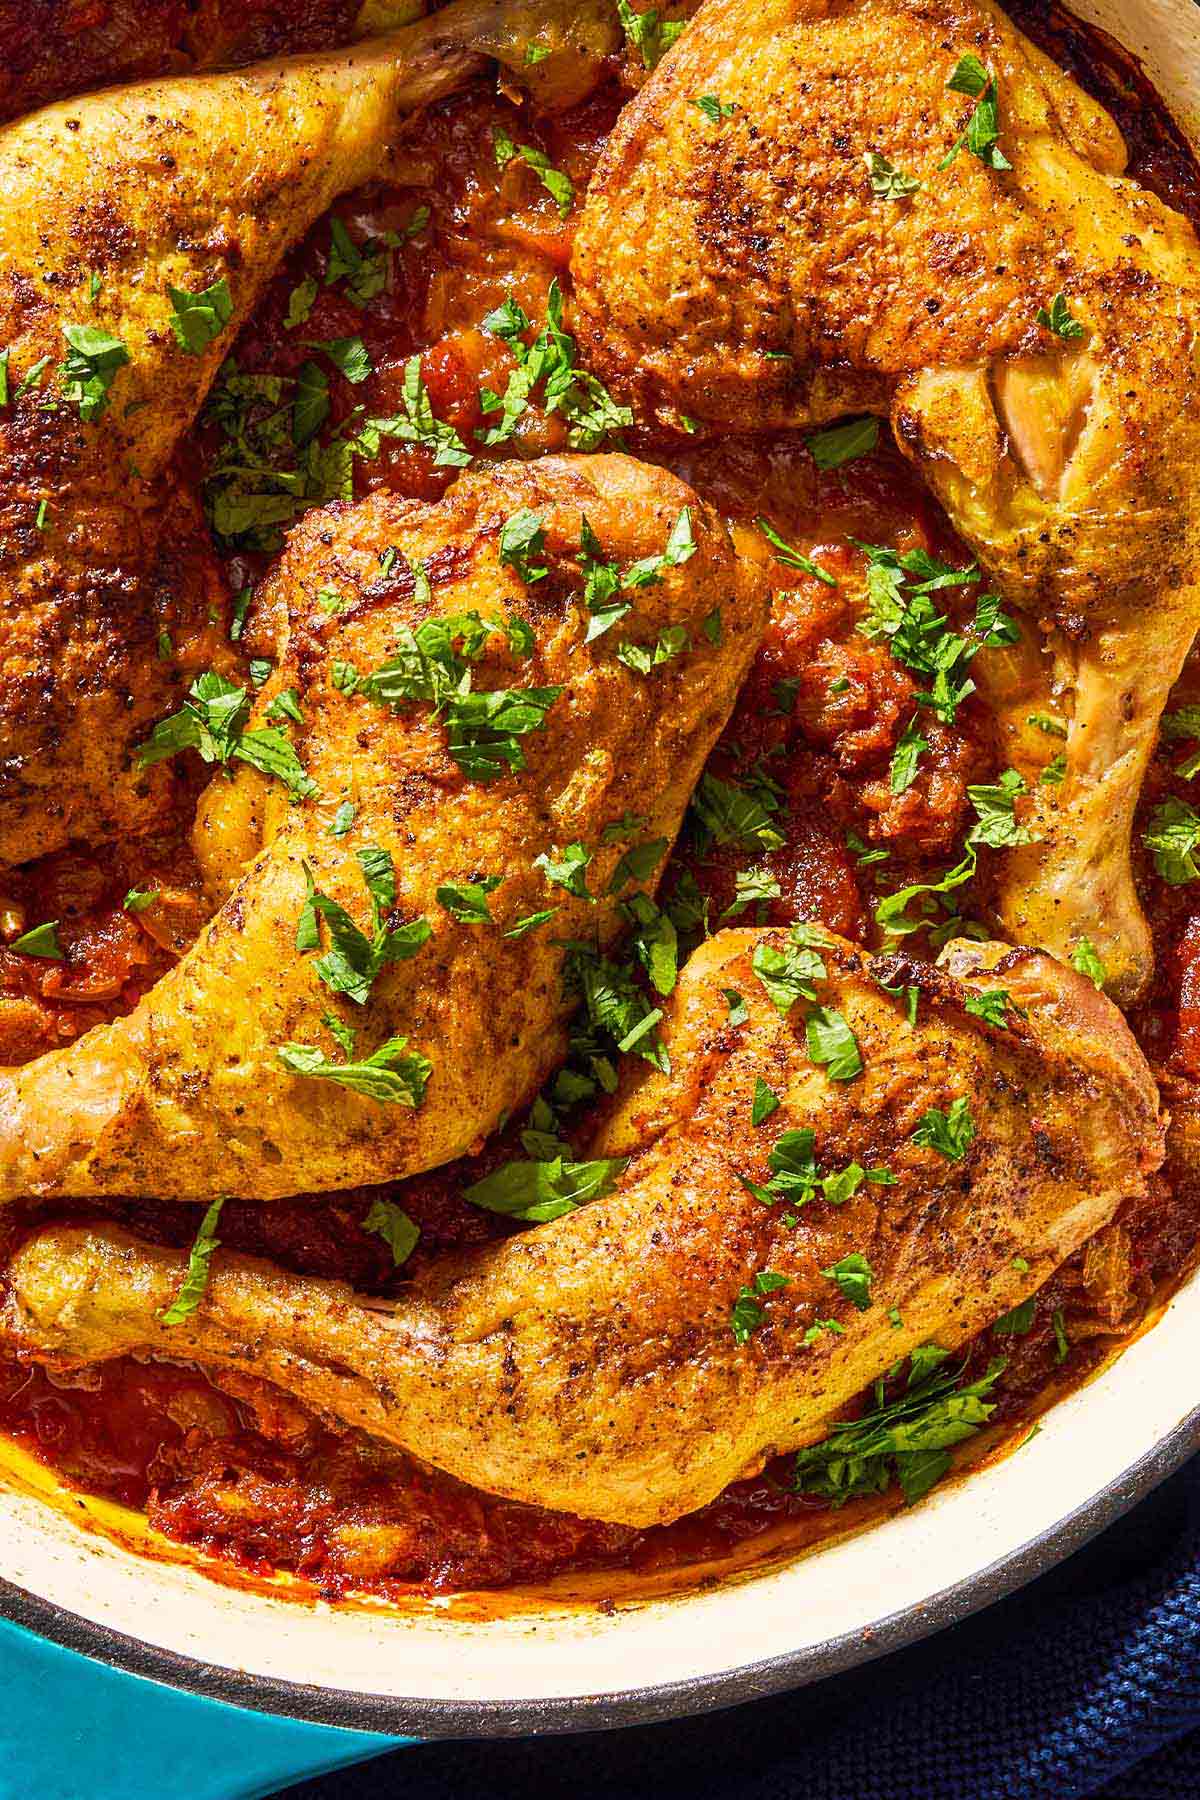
465,731
592,1364
139,226
901,207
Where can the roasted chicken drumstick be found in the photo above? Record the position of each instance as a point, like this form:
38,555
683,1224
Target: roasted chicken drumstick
462,719
590,1364
900,207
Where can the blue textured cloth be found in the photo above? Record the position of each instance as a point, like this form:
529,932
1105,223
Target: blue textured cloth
1085,1683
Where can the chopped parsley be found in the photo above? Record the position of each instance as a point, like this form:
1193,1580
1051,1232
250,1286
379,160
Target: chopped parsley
415,425
212,722
638,863
642,658
33,374
560,187
843,443
907,1439
981,135
796,1179
724,813
1062,1343
388,1075
853,1275
390,1222
89,370
752,887
354,960
648,32
738,1013
138,899
765,1102
1055,771
1172,837
790,557
40,940
615,1006
863,853
748,1313
541,1190
585,403
200,1256
1184,723
819,1326
522,537
788,975
887,181
301,301
906,758
198,319
992,1005
566,869
655,941
996,807
1018,1322
901,610
467,901
680,548
832,1044
1051,726
713,109
269,465
950,1133
1058,319
432,665
530,922
892,914
362,270
1085,959
349,356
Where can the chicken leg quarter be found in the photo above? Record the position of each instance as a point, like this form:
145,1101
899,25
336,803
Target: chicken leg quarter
744,271
187,1094
109,201
589,1364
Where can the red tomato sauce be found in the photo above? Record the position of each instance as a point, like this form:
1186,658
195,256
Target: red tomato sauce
228,1464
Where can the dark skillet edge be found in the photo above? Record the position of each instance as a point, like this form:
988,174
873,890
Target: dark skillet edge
398,1716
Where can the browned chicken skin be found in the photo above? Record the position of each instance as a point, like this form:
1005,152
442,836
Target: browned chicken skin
589,1364
109,201
743,271
186,1095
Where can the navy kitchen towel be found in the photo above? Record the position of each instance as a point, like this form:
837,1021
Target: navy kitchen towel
1085,1683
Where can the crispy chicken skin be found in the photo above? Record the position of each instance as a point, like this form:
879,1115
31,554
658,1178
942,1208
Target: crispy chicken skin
185,1095
744,272
176,183
589,1364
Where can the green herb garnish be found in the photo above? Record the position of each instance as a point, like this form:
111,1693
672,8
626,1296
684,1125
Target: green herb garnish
393,1225
197,319
200,1255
